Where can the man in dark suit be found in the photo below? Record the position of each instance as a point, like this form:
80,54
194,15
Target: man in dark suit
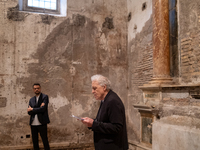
109,126
38,111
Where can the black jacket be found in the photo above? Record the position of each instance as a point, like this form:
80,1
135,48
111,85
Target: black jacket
42,112
110,125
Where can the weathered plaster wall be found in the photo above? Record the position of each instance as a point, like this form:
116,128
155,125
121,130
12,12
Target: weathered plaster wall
139,58
61,53
113,38
176,133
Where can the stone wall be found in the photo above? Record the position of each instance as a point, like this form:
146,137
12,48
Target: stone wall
178,120
139,59
189,35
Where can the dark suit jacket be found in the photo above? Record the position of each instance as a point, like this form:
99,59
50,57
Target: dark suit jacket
42,112
110,125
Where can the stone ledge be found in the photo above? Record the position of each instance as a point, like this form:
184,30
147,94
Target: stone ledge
160,86
139,145
53,146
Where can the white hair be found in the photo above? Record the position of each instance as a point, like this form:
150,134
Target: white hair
102,81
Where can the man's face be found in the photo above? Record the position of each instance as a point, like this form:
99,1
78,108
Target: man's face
98,91
37,89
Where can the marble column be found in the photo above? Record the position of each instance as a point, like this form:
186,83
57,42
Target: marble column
161,57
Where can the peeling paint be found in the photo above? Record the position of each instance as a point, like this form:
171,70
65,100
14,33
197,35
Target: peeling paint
76,63
79,20
14,14
58,102
3,101
129,16
54,56
108,23
47,19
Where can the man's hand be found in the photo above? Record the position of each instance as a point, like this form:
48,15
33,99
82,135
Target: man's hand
87,121
42,104
29,108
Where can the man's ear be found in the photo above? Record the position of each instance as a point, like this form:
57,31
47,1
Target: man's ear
104,87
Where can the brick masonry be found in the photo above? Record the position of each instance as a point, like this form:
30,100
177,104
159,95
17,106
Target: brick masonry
189,41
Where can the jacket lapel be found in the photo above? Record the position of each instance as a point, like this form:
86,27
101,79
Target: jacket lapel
100,108
99,111
39,100
35,102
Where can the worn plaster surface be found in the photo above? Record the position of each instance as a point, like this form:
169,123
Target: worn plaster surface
172,131
61,53
113,38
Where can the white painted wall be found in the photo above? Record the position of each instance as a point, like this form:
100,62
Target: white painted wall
139,17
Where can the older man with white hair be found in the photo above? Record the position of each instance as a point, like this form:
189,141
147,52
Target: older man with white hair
109,126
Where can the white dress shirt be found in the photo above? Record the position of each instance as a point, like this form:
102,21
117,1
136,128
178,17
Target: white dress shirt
35,120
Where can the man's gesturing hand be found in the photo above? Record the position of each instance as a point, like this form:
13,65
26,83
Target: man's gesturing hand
87,121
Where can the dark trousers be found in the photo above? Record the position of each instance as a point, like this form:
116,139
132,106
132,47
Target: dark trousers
42,129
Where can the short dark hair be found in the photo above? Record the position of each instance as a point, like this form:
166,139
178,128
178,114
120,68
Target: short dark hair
36,84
